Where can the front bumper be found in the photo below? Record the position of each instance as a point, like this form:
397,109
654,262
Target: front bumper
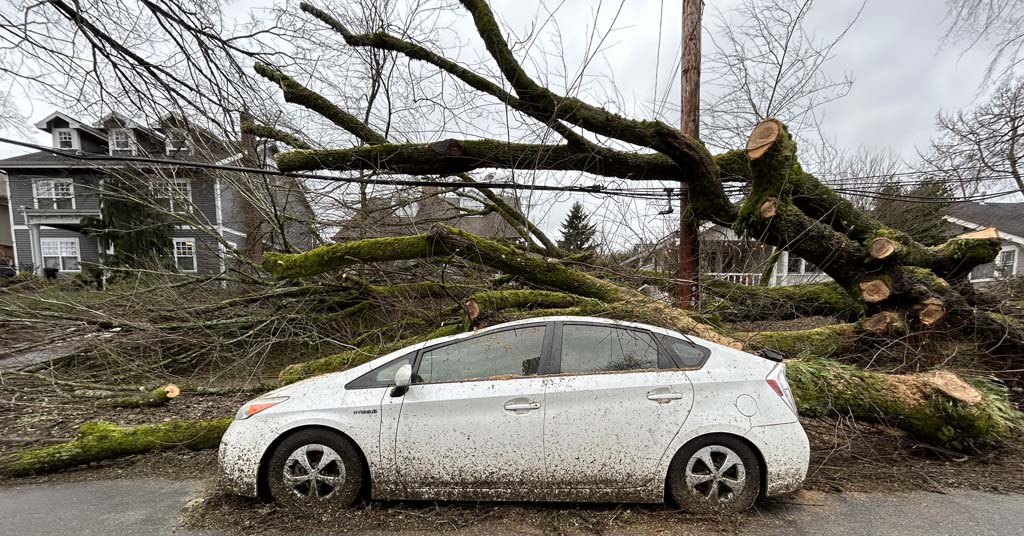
241,450
787,455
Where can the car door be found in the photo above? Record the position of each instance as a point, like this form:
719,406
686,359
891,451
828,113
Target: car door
614,408
474,416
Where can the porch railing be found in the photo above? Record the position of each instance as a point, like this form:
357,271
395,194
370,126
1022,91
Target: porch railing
738,278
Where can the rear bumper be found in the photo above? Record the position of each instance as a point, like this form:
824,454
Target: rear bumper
786,453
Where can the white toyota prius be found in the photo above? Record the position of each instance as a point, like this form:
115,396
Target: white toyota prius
545,409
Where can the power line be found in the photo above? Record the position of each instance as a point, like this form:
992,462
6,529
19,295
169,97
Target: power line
648,193
170,162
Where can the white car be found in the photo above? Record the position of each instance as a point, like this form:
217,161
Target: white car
545,409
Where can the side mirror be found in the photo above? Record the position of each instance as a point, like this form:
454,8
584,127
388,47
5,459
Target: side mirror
403,379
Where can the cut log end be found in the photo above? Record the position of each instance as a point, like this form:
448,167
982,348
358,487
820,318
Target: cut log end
874,290
769,208
990,233
762,138
952,386
881,248
932,312
171,390
472,310
881,323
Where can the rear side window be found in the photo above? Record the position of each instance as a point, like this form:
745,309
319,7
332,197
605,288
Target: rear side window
588,348
687,354
382,376
513,352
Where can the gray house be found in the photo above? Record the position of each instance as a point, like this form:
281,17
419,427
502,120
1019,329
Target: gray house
49,194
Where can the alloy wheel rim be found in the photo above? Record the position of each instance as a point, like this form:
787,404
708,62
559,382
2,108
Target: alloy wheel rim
716,474
314,472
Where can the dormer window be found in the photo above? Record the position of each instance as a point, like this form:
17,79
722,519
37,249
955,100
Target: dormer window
122,140
178,142
65,138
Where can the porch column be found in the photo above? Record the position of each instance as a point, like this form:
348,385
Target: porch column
37,249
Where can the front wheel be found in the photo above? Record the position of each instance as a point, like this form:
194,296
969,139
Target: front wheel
315,468
715,474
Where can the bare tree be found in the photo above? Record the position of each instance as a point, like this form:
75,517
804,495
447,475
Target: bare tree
997,23
979,149
766,63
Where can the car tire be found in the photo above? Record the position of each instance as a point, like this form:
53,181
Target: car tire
715,474
313,469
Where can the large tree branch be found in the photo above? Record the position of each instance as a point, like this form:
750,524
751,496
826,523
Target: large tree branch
696,165
296,93
448,241
450,157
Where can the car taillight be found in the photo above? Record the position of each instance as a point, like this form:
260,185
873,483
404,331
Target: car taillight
777,381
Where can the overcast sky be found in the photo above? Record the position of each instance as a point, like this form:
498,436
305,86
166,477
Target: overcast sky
903,76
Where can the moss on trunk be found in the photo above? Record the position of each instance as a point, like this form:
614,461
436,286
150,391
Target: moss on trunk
100,440
936,407
351,358
745,302
148,399
834,340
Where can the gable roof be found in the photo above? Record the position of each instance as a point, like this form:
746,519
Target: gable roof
1007,217
74,123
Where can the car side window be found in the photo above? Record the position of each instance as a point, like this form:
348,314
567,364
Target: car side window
589,348
382,376
685,353
513,352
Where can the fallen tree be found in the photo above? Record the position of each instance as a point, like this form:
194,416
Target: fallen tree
99,441
901,285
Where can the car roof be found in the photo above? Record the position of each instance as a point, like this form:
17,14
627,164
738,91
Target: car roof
543,319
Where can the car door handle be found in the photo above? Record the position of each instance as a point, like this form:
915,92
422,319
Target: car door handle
663,396
516,405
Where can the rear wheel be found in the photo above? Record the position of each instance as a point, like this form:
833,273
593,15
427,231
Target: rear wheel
315,468
716,473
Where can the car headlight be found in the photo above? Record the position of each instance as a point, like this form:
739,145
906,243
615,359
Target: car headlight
253,407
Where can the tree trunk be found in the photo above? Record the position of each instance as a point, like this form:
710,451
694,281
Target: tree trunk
99,440
937,407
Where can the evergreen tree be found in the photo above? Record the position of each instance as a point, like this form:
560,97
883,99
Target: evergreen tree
140,234
577,231
915,210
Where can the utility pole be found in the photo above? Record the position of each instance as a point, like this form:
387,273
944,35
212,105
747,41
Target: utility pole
688,292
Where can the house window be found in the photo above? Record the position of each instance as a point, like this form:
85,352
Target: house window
795,266
185,254
65,139
1001,267
54,194
175,195
121,140
178,142
61,253
1005,263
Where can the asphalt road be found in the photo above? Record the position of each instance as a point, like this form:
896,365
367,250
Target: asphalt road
152,506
